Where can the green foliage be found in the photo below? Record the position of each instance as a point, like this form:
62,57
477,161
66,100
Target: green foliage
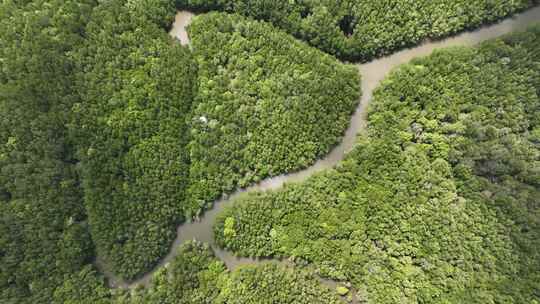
266,104
197,276
84,287
121,126
342,290
269,283
192,277
43,234
98,133
106,123
363,29
439,202
149,157
136,89
159,12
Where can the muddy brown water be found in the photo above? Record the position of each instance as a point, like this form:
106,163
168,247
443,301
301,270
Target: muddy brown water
372,74
181,21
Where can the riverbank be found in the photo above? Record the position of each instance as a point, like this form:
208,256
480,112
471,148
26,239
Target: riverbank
372,74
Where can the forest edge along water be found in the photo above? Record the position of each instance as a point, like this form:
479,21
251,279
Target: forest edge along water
372,73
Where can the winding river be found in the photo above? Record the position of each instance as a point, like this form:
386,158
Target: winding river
372,73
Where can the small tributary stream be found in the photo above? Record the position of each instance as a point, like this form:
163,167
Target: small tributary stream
372,73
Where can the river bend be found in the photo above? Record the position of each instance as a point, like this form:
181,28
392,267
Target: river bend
372,73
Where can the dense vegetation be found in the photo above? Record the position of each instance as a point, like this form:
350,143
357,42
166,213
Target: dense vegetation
43,234
103,130
267,284
362,29
136,89
197,276
439,202
82,103
252,117
111,134
266,104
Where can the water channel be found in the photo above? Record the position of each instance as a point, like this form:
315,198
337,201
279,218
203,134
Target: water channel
372,73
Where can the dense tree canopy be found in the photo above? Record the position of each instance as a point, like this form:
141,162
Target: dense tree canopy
83,287
268,284
266,104
363,29
111,134
136,89
121,135
269,106
197,276
439,203
43,234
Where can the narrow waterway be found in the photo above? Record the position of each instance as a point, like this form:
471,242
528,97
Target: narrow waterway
372,73
181,21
